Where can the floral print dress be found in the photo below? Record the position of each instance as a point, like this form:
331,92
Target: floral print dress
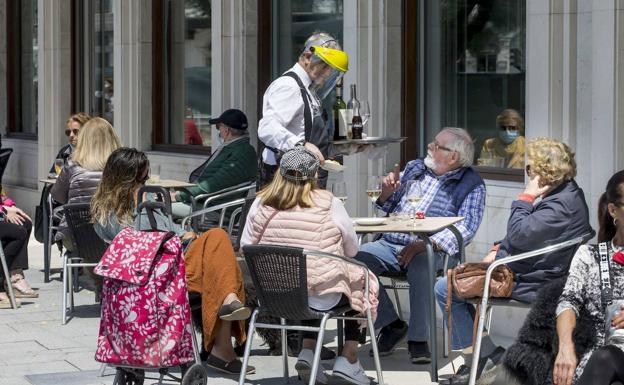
583,290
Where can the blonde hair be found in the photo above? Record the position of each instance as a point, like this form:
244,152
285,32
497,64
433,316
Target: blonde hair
552,160
283,194
511,114
96,141
79,117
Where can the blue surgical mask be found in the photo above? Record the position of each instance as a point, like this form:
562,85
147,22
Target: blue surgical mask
508,136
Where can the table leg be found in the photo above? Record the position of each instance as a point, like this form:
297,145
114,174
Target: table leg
431,260
46,242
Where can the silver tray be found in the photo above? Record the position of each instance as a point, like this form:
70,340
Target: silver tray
370,140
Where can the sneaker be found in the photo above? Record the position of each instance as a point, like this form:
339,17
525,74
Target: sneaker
346,373
462,375
304,368
389,338
419,352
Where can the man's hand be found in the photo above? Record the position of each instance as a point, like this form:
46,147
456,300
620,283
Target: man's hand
490,257
618,320
565,365
409,251
390,183
313,149
533,187
16,216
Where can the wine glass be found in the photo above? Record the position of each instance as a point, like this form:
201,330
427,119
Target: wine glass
365,111
414,196
373,190
339,189
58,166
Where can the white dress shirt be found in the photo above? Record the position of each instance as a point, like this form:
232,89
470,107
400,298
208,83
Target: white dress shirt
282,125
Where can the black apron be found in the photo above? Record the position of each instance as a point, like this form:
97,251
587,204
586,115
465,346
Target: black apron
315,133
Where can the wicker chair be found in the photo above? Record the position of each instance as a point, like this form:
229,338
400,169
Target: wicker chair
280,277
88,246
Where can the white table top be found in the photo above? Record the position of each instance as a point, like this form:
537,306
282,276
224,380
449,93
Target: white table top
429,225
166,183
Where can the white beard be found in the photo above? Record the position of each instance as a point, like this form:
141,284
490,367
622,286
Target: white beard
429,162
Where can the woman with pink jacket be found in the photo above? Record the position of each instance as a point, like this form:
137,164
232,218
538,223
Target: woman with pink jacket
293,211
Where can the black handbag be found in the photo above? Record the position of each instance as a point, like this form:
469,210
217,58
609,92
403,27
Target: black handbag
41,210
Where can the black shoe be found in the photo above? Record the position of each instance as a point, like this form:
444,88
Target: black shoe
419,352
389,338
463,373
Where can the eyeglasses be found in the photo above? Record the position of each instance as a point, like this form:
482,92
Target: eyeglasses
437,146
72,131
503,127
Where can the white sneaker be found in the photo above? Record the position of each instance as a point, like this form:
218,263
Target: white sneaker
348,374
304,368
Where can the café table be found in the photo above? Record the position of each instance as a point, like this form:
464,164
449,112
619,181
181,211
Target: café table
47,244
423,228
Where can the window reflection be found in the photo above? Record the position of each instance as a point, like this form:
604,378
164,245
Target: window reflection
475,66
103,59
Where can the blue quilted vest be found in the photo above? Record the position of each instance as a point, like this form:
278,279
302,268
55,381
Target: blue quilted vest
452,192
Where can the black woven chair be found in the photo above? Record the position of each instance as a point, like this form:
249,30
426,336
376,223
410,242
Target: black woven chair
87,246
280,277
5,154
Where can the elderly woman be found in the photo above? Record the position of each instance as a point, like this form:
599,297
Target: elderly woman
211,267
603,362
509,145
72,128
561,214
293,211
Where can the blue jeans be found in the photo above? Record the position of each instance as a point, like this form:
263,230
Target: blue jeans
462,317
380,257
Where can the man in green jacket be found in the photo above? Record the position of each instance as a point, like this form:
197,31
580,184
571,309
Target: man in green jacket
232,163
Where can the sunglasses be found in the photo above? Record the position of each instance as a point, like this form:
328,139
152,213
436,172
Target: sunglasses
528,170
72,131
508,127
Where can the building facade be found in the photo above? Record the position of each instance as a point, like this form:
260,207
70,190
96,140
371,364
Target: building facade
154,66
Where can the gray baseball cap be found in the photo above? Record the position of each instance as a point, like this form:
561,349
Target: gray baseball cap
299,165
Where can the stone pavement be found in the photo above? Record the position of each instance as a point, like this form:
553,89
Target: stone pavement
35,349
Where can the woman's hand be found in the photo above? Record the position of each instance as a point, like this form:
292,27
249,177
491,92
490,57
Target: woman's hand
16,215
534,189
565,365
618,320
188,235
173,196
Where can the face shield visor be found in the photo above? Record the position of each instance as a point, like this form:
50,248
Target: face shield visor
327,65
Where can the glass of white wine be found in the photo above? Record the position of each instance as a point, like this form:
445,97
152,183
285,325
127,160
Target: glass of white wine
373,190
59,163
414,196
339,189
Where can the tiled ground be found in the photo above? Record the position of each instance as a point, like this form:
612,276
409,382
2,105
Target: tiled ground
36,349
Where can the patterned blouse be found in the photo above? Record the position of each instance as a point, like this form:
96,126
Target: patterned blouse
582,290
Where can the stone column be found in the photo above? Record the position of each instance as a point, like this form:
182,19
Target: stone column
133,72
54,62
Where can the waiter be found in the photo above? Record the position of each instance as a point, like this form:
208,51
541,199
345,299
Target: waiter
291,107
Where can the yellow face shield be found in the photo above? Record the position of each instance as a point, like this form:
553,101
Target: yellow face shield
327,65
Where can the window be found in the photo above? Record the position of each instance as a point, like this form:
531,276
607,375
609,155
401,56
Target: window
182,57
475,77
93,85
21,81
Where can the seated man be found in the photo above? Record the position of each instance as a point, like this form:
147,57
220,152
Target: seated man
232,163
560,215
450,187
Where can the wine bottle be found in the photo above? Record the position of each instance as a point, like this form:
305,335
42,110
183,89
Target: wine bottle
340,128
351,104
357,126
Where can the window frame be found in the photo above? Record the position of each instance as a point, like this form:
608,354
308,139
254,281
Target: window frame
14,128
160,86
412,109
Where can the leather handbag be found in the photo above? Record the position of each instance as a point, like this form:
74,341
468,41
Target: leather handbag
469,279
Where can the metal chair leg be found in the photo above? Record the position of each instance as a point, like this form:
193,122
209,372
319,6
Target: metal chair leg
317,351
371,332
250,333
488,324
7,279
445,336
70,280
284,349
477,345
340,324
64,300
